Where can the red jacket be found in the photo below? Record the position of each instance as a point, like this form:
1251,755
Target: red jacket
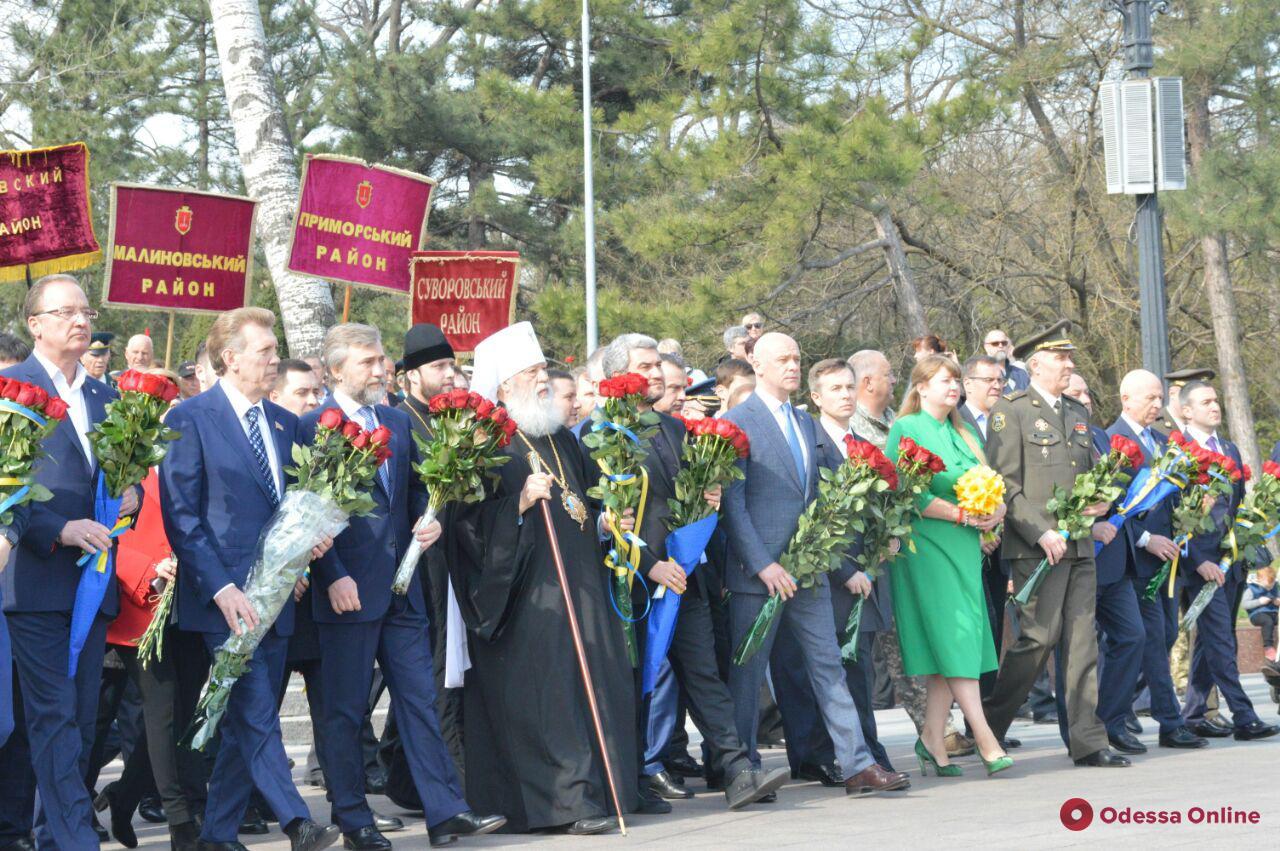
140,550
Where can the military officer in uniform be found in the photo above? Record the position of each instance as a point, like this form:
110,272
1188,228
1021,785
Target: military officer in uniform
1039,438
97,358
1170,420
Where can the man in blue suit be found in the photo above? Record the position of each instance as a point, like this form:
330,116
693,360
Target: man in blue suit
761,513
39,589
1213,660
359,620
9,537
219,485
1125,567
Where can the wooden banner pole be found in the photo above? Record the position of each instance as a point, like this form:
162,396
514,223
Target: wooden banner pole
168,343
346,304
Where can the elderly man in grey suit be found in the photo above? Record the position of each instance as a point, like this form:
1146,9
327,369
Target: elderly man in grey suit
760,514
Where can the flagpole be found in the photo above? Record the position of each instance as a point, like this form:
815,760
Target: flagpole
588,183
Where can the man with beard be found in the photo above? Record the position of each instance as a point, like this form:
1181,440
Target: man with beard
692,653
999,348
531,746
360,620
429,369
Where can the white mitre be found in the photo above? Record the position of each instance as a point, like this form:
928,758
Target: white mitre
503,354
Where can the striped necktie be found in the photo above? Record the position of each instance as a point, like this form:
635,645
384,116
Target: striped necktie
260,454
366,414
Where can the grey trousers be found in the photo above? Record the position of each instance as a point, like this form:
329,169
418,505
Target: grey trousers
808,617
1061,615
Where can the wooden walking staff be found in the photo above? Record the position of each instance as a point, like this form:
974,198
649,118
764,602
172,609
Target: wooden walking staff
579,649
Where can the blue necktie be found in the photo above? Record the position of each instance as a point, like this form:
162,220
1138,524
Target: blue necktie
793,440
1148,443
366,414
260,454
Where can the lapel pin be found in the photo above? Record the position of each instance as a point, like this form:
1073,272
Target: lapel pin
279,427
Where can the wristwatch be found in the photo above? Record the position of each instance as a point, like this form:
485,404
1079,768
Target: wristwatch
11,536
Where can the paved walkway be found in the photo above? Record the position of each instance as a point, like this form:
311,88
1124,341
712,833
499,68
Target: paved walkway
1018,809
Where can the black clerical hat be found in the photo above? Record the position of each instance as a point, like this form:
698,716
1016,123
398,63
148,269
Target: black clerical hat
424,343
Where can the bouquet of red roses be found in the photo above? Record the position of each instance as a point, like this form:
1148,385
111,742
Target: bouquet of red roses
711,457
127,443
616,439
462,455
1102,483
331,482
823,534
1250,529
27,416
1206,479
908,479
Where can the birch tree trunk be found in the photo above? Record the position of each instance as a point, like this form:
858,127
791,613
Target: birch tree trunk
904,285
270,167
1222,300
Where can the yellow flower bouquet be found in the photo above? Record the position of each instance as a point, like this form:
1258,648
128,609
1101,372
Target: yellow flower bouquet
979,491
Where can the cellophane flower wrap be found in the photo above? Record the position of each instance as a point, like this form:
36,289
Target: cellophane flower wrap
823,534
332,480
27,416
127,443
1248,530
1191,466
980,491
1103,482
712,450
616,438
463,453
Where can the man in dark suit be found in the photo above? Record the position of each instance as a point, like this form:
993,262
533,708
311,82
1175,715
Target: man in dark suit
1145,544
692,653
219,485
1213,660
39,589
833,390
999,348
761,515
360,620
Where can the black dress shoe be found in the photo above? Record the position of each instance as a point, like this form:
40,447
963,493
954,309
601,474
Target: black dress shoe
827,775
183,837
1132,724
386,824
714,780
683,765
203,845
652,805
1219,721
253,824
1103,759
1256,730
1182,738
664,785
365,839
121,818
751,785
152,810
306,835
21,843
464,824
592,826
1209,731
375,782
1125,742
1045,717
1009,743
771,798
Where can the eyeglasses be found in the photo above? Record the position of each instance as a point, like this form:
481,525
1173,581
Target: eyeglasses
993,380
751,325
1000,343
69,314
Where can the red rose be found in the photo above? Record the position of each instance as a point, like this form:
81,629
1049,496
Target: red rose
458,398
361,440
41,396
26,396
438,403
1247,472
55,409
330,418
129,380
474,400
937,465
509,428
381,436
382,453
1271,468
500,415
350,429
484,408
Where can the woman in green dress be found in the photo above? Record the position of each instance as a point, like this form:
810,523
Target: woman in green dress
938,598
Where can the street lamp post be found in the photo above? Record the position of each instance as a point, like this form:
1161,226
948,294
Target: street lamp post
1139,57
588,185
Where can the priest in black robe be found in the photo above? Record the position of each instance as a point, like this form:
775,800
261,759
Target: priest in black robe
531,749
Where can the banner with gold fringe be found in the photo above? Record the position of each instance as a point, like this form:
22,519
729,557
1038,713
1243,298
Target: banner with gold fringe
45,221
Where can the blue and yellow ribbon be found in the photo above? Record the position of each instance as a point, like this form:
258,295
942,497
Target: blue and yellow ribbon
122,525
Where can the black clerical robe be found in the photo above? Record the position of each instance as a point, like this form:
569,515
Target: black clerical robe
531,751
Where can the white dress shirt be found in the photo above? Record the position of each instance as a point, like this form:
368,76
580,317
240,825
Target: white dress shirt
73,395
834,431
779,408
241,405
1202,437
980,418
351,408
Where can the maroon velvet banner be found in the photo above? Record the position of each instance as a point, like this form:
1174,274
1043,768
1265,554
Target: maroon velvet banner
45,225
359,223
179,249
469,294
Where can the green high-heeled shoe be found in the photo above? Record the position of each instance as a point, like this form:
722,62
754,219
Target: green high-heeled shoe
996,765
926,759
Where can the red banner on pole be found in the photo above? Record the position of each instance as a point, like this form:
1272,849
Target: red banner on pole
179,249
469,294
359,223
45,225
